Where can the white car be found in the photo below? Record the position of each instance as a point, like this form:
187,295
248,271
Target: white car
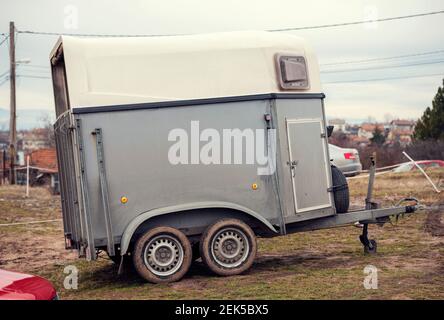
345,159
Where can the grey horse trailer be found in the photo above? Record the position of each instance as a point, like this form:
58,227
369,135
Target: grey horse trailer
176,148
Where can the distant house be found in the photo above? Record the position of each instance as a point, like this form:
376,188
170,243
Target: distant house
403,125
339,124
43,169
44,158
360,141
33,140
352,129
401,131
387,126
366,130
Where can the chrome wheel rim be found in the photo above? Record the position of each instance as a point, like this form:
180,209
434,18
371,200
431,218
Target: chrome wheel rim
230,248
163,255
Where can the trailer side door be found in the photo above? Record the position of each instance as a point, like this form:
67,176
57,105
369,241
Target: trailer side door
308,165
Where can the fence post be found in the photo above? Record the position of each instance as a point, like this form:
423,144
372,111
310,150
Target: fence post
27,176
422,171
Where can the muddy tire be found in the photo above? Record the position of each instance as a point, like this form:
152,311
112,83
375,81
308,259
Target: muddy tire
340,190
162,254
228,247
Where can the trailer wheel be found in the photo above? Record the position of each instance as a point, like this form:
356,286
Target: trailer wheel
340,190
162,254
228,247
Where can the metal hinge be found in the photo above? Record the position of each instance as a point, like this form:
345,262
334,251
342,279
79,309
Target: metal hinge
339,187
323,135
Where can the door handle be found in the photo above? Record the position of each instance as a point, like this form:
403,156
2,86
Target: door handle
293,163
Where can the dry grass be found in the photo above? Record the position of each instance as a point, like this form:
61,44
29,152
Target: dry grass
324,264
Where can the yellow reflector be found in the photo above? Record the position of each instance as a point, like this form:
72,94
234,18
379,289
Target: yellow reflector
124,199
254,186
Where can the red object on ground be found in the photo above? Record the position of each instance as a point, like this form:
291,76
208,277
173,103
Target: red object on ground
20,286
429,163
424,164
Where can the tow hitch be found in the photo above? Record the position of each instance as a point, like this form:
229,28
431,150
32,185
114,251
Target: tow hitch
370,245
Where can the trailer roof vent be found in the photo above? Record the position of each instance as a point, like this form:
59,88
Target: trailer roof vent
292,72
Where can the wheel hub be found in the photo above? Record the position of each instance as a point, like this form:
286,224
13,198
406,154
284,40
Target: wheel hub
230,247
163,255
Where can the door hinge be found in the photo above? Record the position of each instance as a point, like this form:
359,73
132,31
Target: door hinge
323,135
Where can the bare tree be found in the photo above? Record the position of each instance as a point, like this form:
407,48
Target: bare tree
47,125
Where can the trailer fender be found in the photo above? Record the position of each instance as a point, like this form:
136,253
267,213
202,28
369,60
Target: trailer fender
136,222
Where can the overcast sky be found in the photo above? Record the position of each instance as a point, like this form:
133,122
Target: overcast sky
404,98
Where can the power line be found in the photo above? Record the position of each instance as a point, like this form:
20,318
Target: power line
359,22
28,76
6,79
383,58
43,33
38,70
45,75
32,76
270,30
42,72
384,79
4,73
44,69
328,71
385,67
4,40
35,66
328,82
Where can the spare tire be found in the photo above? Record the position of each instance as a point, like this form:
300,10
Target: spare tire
340,190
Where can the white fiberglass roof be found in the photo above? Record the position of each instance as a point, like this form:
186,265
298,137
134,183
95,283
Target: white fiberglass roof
110,71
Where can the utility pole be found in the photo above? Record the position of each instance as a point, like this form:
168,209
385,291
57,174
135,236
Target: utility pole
12,120
4,166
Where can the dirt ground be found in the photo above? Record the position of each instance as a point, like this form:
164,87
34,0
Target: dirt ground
324,264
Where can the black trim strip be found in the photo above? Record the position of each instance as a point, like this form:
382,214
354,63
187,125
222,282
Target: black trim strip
183,103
